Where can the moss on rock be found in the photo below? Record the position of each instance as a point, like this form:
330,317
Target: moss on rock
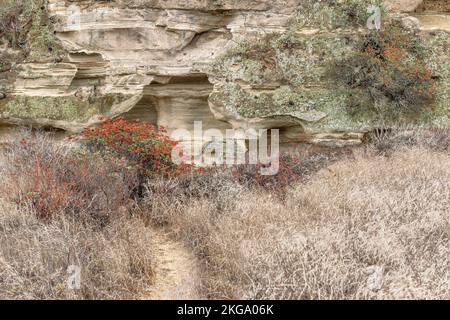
278,74
437,57
67,108
43,46
332,14
31,33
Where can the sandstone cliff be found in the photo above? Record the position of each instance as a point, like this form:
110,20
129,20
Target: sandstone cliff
228,63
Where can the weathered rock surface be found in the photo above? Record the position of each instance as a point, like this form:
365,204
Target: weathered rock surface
402,5
152,60
433,21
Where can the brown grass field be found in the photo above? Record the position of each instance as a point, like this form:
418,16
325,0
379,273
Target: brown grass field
371,223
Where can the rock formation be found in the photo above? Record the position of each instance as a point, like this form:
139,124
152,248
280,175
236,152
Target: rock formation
169,62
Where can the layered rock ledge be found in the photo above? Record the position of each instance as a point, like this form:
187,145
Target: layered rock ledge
162,61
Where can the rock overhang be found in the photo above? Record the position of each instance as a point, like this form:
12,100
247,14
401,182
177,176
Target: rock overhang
130,50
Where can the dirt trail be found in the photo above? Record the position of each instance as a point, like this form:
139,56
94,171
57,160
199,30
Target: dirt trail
177,271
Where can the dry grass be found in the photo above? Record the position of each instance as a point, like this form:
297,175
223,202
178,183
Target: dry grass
57,210
369,223
329,235
387,140
116,261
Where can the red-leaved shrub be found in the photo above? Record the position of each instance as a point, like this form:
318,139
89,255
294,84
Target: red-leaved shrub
139,142
251,176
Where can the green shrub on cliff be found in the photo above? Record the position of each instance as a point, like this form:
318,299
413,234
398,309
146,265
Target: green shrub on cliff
389,64
329,62
26,27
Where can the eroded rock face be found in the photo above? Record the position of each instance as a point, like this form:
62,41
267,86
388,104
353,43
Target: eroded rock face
144,55
434,5
157,61
402,5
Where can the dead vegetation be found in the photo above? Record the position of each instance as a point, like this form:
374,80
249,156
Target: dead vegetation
116,261
59,210
27,34
365,223
371,225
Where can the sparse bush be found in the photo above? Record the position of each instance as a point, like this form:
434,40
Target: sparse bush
251,177
58,181
164,197
220,185
390,67
387,140
15,22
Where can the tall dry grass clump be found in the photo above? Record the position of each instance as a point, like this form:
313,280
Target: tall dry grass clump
58,209
387,140
368,226
116,261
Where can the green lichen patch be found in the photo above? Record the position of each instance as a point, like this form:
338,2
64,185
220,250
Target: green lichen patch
27,28
42,43
296,64
356,76
67,108
437,57
337,104
332,14
292,58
